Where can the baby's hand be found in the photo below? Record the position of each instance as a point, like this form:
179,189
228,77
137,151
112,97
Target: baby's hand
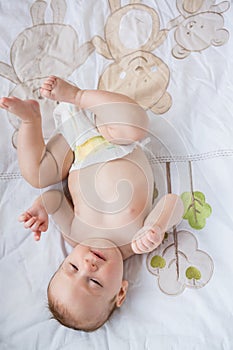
147,239
35,218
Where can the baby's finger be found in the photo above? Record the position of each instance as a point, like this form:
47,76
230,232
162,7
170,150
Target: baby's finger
139,247
43,227
35,226
24,217
37,235
135,248
142,232
30,222
155,237
149,244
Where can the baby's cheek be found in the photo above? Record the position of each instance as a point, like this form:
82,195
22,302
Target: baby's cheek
114,275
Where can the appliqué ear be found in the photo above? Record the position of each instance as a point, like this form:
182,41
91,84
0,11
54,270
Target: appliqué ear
163,104
101,47
162,35
83,52
134,2
114,5
221,37
38,11
174,22
192,6
180,52
221,7
8,72
59,9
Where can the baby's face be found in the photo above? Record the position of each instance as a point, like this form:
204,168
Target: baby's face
88,279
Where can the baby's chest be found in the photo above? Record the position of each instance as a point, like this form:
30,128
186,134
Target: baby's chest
119,227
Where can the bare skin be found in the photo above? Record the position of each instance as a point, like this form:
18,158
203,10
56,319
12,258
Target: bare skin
144,228
112,201
27,108
59,90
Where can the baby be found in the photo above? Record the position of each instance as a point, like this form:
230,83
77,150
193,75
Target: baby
98,146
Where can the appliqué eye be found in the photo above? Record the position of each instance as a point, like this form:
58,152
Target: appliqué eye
191,24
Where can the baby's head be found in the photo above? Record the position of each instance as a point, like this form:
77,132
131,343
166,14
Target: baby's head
88,285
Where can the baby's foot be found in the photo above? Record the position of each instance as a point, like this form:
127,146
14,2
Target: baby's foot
58,89
26,110
147,239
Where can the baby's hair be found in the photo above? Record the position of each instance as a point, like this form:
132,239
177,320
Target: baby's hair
64,316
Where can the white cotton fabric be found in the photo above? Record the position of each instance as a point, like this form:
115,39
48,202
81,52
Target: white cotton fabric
198,128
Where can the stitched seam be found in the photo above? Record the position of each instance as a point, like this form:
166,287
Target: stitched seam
190,157
10,176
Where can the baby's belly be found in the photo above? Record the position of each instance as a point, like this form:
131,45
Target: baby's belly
111,199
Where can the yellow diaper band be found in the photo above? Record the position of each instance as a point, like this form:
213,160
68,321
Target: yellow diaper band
92,145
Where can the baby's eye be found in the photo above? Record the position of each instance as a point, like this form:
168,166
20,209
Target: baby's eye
96,282
74,266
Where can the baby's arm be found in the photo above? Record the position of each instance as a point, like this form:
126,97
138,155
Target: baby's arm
167,213
52,202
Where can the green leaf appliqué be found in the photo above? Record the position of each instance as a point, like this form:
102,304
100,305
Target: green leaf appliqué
196,210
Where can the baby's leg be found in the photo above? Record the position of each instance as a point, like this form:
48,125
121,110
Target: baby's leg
41,165
31,144
27,110
119,118
58,89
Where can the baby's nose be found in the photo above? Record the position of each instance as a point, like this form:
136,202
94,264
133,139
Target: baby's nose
91,265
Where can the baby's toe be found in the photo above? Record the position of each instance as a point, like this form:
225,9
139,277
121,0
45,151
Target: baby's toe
46,93
4,102
47,86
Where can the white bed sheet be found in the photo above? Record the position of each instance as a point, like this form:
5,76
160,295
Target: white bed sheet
192,137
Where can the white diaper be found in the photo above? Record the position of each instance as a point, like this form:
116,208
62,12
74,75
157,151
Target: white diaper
90,147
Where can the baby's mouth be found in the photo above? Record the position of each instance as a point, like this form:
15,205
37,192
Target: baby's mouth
98,254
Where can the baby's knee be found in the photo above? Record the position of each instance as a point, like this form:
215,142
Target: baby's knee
126,134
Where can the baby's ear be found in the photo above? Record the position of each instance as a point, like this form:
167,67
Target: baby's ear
122,293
